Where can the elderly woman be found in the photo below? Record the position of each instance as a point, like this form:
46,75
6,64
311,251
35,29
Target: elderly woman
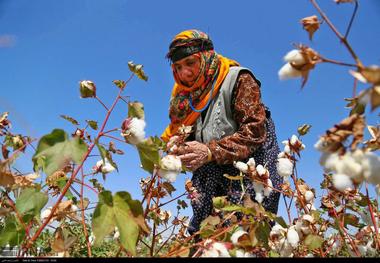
222,101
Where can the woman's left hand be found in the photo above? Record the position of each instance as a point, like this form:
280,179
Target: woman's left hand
193,154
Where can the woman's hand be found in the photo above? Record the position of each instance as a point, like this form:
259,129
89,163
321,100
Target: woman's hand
193,154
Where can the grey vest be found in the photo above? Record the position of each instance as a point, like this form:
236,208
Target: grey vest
219,121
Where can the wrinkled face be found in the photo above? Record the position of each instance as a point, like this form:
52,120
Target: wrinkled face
188,69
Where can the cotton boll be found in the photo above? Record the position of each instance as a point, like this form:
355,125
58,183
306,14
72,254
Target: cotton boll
309,196
293,139
104,166
287,72
134,132
330,162
342,182
242,167
45,214
258,187
259,197
236,235
294,56
268,189
170,176
240,253
371,168
321,145
171,163
287,149
293,237
348,166
251,162
261,170
284,167
217,249
170,167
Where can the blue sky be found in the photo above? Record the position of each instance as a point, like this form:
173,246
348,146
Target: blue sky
50,46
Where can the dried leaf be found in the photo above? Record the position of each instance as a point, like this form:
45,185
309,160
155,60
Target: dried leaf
310,24
375,97
120,83
371,74
168,187
138,70
26,180
6,179
374,142
233,178
353,125
62,243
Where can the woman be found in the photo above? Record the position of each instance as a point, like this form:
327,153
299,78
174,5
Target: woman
222,101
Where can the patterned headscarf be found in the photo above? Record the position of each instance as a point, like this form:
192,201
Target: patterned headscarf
213,70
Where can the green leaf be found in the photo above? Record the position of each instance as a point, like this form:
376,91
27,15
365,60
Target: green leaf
281,221
55,151
92,124
103,220
351,219
219,202
313,241
12,233
129,232
149,154
136,109
273,254
31,200
231,208
70,119
121,211
262,233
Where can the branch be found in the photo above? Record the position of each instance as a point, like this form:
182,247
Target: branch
338,34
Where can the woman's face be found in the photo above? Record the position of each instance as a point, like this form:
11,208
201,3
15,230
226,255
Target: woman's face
188,69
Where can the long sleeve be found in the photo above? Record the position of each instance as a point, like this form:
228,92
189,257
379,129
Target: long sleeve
249,114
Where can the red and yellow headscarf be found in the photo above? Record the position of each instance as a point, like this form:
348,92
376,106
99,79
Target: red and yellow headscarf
213,68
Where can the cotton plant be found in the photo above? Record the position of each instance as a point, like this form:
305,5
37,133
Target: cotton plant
259,176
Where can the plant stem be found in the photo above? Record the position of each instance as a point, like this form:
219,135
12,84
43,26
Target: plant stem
101,102
83,216
327,60
352,19
114,138
84,184
372,217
